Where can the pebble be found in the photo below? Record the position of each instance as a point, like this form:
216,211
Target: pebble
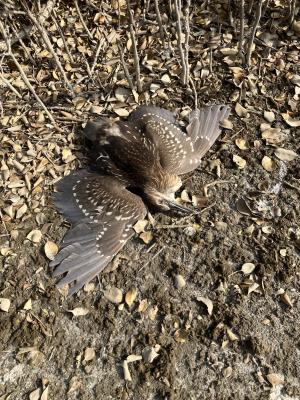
179,281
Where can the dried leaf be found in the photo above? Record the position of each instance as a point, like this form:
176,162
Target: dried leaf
126,372
149,354
269,116
226,124
45,393
89,354
268,164
241,111
35,236
51,249
272,135
239,161
208,303
290,121
35,395
130,297
285,154
4,304
121,112
275,379
114,295
21,211
241,143
146,237
140,225
248,268
253,287
28,305
133,358
79,311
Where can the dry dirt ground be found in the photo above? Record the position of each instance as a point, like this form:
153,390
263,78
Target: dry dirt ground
232,331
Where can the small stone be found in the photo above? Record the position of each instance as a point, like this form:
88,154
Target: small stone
4,304
114,295
89,354
269,116
189,231
179,281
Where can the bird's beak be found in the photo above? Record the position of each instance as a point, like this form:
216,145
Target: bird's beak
179,207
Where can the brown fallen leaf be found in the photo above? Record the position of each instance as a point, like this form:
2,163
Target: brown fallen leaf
285,154
268,164
290,121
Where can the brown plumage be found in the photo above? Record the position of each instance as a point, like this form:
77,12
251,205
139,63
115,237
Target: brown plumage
146,153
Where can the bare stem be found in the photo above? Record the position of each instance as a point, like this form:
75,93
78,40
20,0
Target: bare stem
48,43
82,20
159,21
254,28
126,72
179,35
186,41
10,86
54,19
23,75
292,11
101,42
242,25
134,46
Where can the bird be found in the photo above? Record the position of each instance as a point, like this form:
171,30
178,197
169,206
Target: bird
135,164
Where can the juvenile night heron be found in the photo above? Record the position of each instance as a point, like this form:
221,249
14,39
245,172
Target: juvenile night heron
145,154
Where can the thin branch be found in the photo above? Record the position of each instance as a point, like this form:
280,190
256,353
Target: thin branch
186,41
242,25
82,20
127,74
159,21
292,11
54,19
135,51
255,26
101,42
10,86
179,35
23,75
48,43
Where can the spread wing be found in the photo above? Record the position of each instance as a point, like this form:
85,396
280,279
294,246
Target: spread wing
102,212
181,152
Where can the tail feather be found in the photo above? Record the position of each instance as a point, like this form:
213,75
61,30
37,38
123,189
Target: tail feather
204,129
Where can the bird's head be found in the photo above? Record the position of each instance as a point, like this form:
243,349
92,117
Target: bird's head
160,191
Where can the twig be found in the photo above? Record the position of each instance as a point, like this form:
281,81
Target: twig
242,24
186,41
10,86
194,91
23,75
48,43
54,19
126,72
179,35
82,20
152,258
256,22
159,21
292,11
134,46
19,38
101,42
